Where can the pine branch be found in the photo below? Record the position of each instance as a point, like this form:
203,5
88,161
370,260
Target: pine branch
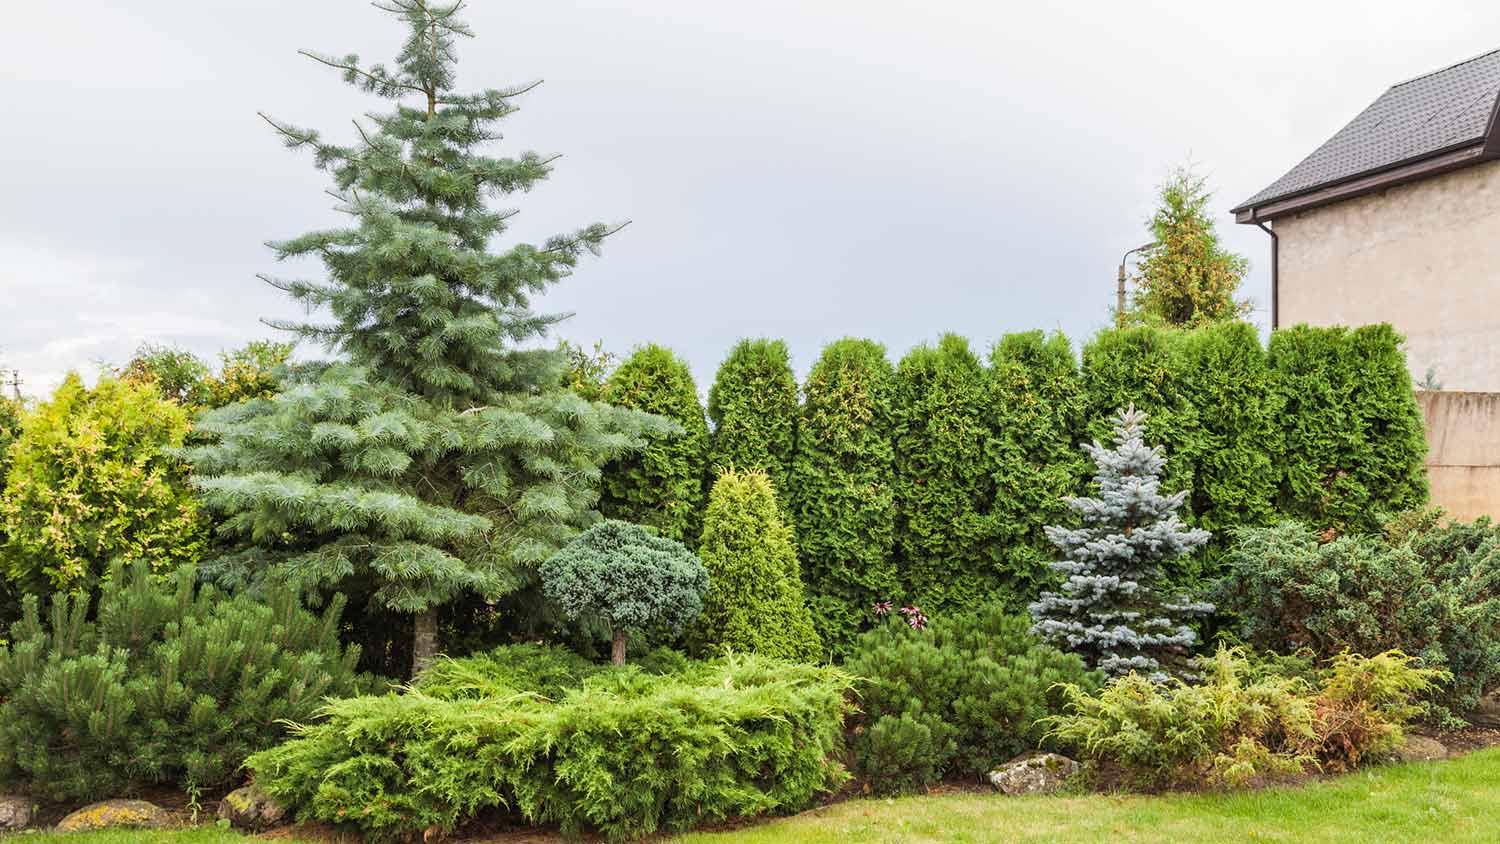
350,67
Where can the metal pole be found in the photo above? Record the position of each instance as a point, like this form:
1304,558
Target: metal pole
1120,284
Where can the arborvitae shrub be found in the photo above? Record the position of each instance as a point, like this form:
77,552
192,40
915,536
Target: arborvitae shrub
623,752
959,697
943,488
1226,378
662,485
1143,367
755,599
1035,413
753,406
168,685
1432,591
92,480
842,496
1354,442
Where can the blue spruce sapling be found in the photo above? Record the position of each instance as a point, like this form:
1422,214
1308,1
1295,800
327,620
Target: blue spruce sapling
627,577
1111,610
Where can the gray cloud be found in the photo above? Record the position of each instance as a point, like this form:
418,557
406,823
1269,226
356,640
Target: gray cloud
804,170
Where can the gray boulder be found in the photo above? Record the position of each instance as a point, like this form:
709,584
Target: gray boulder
1419,749
116,814
1039,774
15,812
251,809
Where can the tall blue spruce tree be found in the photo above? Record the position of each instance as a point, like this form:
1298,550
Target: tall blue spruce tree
1110,609
437,454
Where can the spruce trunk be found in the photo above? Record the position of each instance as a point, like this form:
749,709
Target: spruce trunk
424,645
617,648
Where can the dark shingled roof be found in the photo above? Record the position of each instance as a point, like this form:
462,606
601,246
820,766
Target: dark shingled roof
1415,119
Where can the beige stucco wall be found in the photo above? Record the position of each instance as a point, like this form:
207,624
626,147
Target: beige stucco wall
1424,257
1463,451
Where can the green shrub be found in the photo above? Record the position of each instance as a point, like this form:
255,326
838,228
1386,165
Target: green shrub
1240,727
1035,414
91,480
620,575
842,476
942,482
1353,437
623,752
753,405
660,486
755,597
1429,590
959,697
166,686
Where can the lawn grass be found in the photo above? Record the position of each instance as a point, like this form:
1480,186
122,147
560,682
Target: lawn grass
1431,803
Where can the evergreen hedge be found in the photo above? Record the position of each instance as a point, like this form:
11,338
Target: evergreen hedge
943,528
660,486
842,487
753,406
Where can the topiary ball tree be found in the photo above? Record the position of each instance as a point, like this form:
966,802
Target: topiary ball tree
627,577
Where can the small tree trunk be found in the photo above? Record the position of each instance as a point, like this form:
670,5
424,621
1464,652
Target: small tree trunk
424,643
617,649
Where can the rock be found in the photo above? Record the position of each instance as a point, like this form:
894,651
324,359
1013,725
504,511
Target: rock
252,809
1419,749
1487,713
15,812
116,814
1039,774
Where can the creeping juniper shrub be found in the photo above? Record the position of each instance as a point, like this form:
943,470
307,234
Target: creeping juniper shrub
169,685
955,696
548,737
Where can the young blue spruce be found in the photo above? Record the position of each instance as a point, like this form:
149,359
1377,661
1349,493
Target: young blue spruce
1110,609
437,454
626,577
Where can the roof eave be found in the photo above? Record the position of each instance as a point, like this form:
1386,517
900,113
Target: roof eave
1400,173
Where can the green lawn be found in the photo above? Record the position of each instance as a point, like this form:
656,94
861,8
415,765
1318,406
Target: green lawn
1431,803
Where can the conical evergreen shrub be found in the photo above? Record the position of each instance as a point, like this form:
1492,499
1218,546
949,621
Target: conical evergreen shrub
755,598
753,407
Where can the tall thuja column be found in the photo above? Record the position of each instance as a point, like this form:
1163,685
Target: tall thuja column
1110,609
438,454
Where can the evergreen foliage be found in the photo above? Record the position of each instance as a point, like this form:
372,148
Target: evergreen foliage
1035,415
1354,442
1237,441
622,752
440,456
1143,367
660,486
588,369
1243,726
942,482
1111,609
91,480
755,598
178,375
1186,277
960,697
625,577
842,488
1431,590
167,684
753,406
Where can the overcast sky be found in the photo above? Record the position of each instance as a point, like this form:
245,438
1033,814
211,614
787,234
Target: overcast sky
803,169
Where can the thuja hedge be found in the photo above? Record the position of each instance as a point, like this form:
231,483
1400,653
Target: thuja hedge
540,733
930,481
753,407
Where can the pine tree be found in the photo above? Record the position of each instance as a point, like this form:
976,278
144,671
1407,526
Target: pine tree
660,486
843,495
1111,609
439,455
1186,278
753,405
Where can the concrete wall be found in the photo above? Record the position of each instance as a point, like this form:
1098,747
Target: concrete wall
1463,451
1424,257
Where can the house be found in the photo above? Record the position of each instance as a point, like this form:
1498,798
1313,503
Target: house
1396,218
